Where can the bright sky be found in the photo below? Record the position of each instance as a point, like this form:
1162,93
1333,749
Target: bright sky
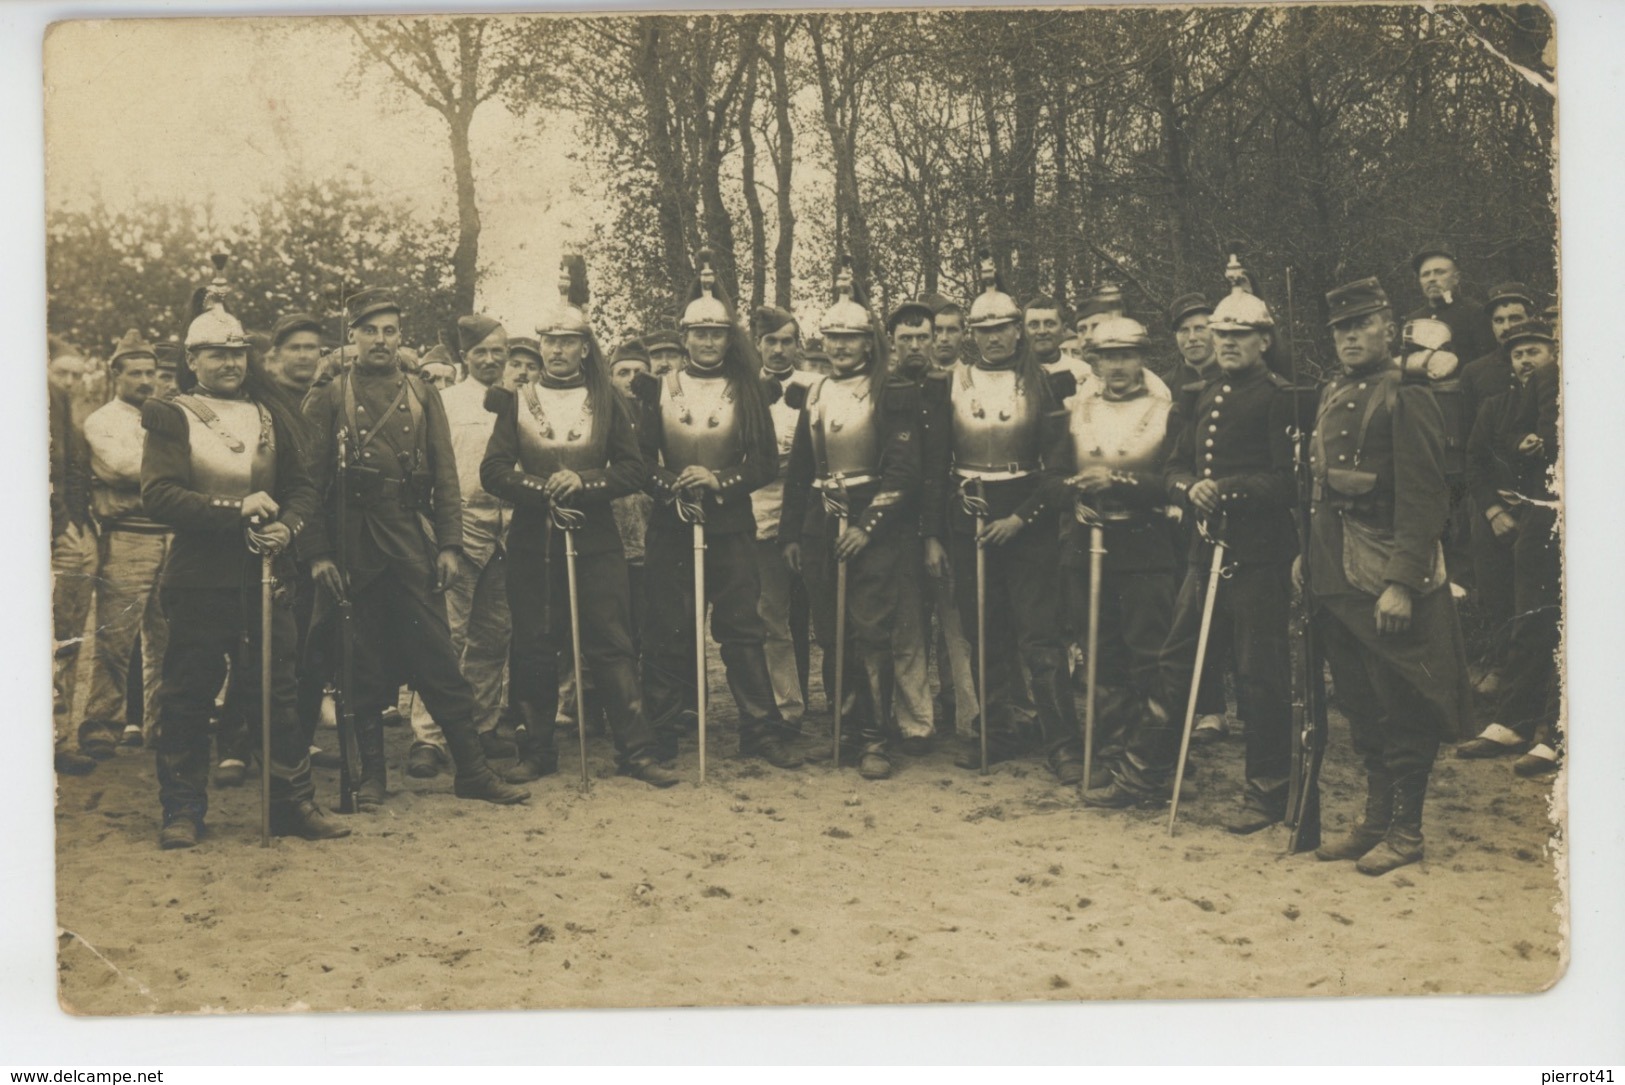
225,107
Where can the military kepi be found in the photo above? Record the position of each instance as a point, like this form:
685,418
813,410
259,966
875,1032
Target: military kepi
1529,330
294,322
366,302
1184,307
1354,299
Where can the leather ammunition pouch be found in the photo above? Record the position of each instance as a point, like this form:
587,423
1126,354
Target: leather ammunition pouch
1367,550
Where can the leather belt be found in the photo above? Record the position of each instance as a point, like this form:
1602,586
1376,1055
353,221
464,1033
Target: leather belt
994,472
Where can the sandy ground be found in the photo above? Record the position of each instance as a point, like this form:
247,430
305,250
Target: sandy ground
765,886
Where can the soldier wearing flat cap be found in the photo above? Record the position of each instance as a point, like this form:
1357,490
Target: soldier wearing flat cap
666,351
1377,576
1230,467
1438,273
1511,456
398,468
222,468
168,354
1482,379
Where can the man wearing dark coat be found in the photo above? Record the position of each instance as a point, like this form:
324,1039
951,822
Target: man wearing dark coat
1377,577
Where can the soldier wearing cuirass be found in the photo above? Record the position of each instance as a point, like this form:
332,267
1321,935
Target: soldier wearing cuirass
383,457
855,461
1118,426
1230,467
992,483
708,441
1377,575
563,448
222,468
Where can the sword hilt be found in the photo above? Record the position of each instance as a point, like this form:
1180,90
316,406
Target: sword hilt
974,504
566,517
837,501
690,510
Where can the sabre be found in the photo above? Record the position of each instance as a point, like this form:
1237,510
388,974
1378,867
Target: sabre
569,520
267,582
692,511
976,505
349,742
1215,574
1097,557
837,504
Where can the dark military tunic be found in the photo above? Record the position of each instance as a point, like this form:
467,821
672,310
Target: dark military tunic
1470,333
1377,517
1238,436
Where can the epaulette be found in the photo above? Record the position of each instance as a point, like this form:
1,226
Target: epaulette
795,395
497,398
646,387
772,390
1278,380
1062,384
163,417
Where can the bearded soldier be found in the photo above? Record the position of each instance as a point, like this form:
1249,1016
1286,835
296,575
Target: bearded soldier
383,455
1377,576
992,485
222,468
563,448
856,446
708,439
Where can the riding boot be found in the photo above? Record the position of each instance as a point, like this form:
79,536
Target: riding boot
373,786
474,779
1367,832
875,763
538,746
1402,843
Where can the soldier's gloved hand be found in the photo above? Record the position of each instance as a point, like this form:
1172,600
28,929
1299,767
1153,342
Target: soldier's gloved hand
695,477
325,572
273,538
936,559
1503,523
259,504
1001,531
562,485
1394,610
1205,496
851,544
792,556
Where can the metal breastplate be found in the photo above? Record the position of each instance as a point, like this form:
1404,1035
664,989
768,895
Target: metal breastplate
995,424
233,446
555,430
1125,436
700,421
845,437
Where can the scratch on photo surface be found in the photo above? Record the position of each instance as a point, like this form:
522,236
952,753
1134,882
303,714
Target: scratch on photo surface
146,992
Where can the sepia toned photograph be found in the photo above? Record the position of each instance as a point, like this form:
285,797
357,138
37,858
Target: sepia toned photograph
827,507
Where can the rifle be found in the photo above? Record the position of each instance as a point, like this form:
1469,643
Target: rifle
344,684
1308,678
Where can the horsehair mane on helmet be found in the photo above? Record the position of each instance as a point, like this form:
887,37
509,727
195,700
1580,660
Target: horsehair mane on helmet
568,316
992,306
707,307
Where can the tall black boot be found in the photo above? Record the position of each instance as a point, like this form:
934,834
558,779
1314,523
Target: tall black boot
876,760
538,746
1368,832
373,786
474,779
1402,843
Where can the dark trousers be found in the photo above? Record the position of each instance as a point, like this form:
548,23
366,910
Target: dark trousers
1023,630
206,635
236,739
539,603
1529,698
871,610
1250,622
1493,580
1135,611
732,588
1394,728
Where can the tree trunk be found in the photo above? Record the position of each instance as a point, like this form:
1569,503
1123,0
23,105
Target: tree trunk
783,164
753,199
670,201
465,259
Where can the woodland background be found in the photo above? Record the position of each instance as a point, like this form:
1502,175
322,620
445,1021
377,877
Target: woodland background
1078,145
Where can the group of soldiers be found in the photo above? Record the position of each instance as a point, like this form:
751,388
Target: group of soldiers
1056,521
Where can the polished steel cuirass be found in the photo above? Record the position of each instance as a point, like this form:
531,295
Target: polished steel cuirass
555,430
235,454
700,421
995,424
1124,435
845,434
